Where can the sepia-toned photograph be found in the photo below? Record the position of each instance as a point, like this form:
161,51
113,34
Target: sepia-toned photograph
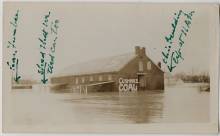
92,67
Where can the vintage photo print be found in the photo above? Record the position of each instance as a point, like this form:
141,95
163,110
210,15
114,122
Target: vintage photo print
95,67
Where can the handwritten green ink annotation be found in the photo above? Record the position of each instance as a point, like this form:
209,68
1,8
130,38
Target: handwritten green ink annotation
47,58
14,61
172,54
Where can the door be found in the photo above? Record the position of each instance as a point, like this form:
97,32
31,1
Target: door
142,82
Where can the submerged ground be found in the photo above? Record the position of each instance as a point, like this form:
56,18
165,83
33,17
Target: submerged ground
40,108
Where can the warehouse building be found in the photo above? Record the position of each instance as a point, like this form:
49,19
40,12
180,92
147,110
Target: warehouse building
127,72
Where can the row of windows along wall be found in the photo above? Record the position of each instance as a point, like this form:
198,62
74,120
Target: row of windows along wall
91,79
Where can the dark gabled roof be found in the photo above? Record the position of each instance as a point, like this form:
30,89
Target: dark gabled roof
103,65
108,64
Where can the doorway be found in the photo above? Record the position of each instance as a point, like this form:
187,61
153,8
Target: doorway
142,82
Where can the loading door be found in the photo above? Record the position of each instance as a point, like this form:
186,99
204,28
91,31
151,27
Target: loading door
142,82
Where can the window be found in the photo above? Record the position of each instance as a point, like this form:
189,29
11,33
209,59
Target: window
109,77
77,81
148,65
100,78
141,66
91,78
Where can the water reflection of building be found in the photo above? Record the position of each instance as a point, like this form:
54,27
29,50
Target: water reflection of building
103,74
133,107
142,107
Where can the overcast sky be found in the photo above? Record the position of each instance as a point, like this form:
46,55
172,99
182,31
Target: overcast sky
87,31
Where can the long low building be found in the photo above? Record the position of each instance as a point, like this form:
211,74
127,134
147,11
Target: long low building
126,72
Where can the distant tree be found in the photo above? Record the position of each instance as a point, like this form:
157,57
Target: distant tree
194,78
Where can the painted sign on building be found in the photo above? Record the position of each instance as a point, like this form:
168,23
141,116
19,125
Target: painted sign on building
128,84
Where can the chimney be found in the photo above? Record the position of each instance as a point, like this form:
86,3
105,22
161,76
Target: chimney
159,64
137,50
143,53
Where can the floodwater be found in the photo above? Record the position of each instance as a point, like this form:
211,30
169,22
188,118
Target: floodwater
183,103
